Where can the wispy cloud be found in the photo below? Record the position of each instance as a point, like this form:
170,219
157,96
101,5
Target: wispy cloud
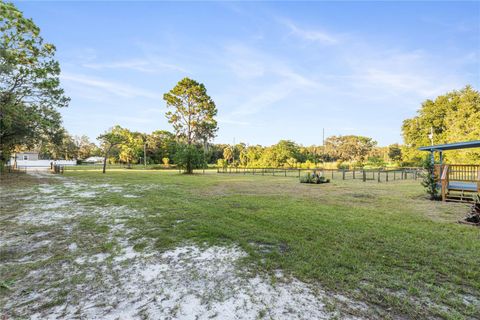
313,35
114,88
142,65
273,81
400,73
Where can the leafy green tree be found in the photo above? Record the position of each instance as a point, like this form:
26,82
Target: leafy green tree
349,148
452,117
189,157
131,146
160,144
60,145
394,152
192,114
429,181
85,148
30,90
193,111
109,140
228,154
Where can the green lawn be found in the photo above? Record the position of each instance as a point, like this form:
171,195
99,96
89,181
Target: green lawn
381,243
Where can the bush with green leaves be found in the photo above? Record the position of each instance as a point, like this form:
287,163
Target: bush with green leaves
190,157
314,178
429,181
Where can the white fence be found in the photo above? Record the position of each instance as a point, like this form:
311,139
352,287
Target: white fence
34,164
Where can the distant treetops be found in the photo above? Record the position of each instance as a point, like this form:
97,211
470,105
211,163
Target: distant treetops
452,117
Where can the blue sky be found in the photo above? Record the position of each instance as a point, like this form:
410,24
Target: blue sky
281,70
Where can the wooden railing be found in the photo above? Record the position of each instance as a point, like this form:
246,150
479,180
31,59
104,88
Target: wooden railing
456,172
464,172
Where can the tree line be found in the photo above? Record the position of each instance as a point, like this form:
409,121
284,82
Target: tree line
31,97
163,147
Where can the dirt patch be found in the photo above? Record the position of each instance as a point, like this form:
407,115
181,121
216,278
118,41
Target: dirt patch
64,259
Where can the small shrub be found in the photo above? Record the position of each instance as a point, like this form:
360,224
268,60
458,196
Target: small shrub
314,178
429,182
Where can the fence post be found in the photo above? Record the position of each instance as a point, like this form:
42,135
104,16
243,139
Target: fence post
364,175
378,176
285,172
298,173
343,174
394,175
386,176
354,173
332,174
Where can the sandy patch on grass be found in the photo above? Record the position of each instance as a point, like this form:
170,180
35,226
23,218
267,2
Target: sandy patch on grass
190,282
72,276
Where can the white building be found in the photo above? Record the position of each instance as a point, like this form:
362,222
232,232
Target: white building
31,160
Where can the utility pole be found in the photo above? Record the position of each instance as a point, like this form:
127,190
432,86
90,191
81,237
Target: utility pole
323,137
145,154
323,145
233,151
431,135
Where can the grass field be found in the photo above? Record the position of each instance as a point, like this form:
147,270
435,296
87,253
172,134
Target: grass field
368,250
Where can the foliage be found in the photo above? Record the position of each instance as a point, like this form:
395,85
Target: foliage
131,145
349,148
85,148
394,152
228,154
160,144
222,163
429,182
30,90
189,157
192,111
453,117
314,178
192,115
109,140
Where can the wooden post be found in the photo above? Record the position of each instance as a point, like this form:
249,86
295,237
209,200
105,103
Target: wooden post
332,174
444,182
298,173
378,176
478,180
343,174
364,175
285,172
386,176
354,173
394,175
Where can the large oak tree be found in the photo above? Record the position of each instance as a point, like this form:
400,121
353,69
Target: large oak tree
30,92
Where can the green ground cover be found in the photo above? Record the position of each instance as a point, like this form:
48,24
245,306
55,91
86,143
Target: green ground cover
383,244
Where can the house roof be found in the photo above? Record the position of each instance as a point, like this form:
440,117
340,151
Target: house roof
452,146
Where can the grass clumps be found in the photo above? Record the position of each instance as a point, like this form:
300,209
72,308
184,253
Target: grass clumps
314,178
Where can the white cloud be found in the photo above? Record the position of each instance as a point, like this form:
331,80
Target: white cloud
147,65
80,81
266,80
313,35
